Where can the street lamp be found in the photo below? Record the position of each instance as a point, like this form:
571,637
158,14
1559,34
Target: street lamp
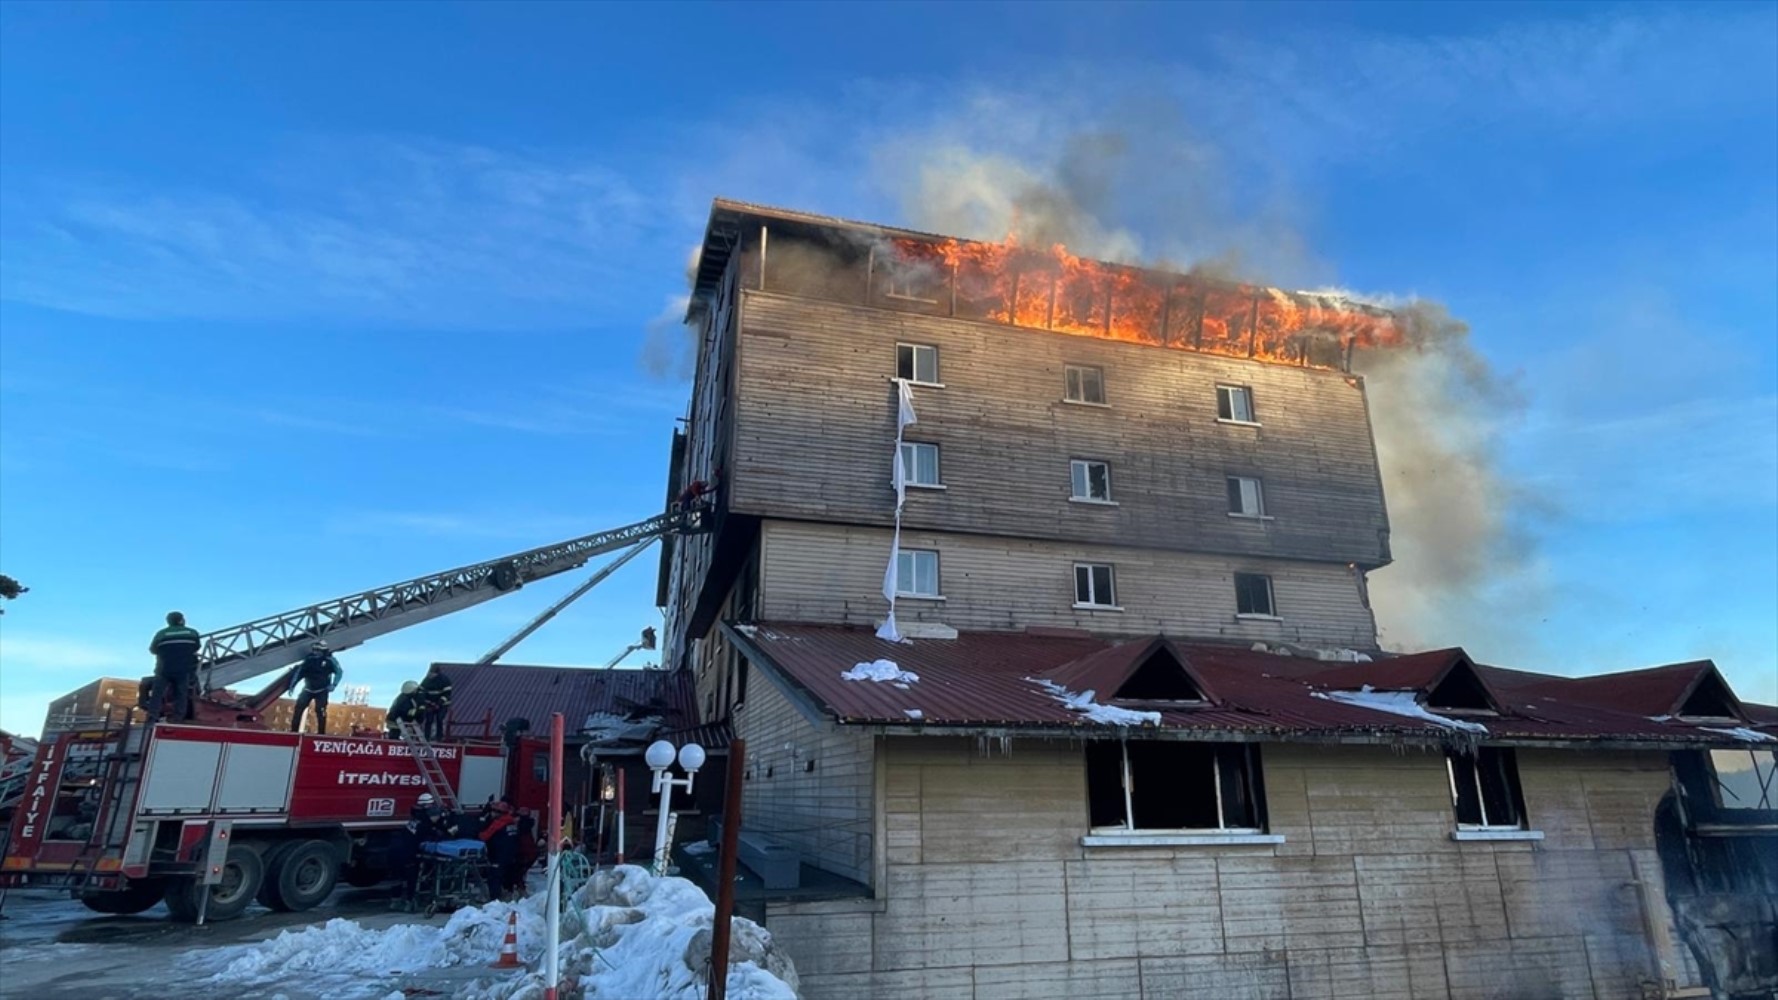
660,757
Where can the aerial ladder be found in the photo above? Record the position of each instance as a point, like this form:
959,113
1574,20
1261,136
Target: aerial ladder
241,652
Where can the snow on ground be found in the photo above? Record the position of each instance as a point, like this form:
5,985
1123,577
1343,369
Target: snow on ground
880,671
1397,703
626,934
1107,715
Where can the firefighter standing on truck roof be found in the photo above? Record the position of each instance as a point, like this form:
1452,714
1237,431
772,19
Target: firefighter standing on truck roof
318,674
175,650
435,702
405,708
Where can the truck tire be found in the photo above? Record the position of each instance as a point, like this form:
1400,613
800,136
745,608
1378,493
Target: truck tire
139,895
306,874
242,874
268,887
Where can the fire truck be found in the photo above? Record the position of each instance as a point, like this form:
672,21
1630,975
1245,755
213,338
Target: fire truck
212,813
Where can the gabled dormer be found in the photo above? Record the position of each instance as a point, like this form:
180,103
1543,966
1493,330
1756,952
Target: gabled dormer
1139,672
1444,681
1708,699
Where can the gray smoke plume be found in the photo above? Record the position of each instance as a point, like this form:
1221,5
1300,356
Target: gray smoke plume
669,344
1436,405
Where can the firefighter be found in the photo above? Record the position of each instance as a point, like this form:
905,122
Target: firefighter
435,702
318,674
405,708
500,832
425,825
175,650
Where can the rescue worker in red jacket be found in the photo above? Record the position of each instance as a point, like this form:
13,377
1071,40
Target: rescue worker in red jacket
500,832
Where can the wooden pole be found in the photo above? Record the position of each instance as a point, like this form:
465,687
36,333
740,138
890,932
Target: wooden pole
725,872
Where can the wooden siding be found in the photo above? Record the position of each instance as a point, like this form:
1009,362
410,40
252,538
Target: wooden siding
987,893
815,426
834,574
825,812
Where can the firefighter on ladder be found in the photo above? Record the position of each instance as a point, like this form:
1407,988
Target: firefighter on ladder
318,674
405,708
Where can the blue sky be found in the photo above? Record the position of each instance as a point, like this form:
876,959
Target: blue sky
300,300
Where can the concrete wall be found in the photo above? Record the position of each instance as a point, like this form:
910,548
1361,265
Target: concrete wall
833,573
987,893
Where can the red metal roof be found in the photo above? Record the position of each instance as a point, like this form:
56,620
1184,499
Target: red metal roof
496,692
990,680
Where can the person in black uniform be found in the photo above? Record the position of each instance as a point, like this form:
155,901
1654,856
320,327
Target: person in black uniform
425,825
435,703
318,674
175,650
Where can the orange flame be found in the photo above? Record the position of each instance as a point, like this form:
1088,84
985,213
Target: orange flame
1008,283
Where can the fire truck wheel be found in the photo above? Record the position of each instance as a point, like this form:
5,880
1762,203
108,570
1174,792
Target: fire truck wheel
133,899
242,874
306,874
268,887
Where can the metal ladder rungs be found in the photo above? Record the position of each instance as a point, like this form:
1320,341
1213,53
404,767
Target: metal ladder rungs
436,782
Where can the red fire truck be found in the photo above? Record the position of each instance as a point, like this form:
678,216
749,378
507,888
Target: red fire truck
213,815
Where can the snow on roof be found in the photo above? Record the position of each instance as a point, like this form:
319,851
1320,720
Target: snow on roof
1398,703
1742,733
1107,715
880,671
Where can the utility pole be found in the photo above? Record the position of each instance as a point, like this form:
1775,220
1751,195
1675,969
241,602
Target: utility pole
725,871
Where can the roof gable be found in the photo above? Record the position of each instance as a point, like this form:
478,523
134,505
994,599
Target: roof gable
1442,679
1709,697
1140,670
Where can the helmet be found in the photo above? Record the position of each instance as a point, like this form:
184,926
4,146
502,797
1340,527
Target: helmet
175,618
320,646
426,799
409,687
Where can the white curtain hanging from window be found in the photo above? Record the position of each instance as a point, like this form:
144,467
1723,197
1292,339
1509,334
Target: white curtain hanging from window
891,582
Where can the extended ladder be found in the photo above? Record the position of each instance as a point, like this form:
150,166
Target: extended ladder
421,748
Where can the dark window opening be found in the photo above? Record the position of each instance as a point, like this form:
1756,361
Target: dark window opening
1746,779
1253,594
1711,699
1094,584
1152,785
1485,789
1085,385
1460,691
1160,678
917,363
1235,402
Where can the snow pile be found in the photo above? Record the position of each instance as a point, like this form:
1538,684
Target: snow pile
880,671
913,713
627,934
1397,703
1742,733
1106,715
636,935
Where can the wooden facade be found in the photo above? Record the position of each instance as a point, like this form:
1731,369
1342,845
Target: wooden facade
985,889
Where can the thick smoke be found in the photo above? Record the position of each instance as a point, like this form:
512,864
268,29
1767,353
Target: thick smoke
1436,405
669,344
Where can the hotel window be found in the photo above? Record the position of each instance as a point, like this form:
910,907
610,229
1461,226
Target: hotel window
919,463
1085,385
1235,403
1138,786
1091,480
917,363
916,573
1485,789
1246,497
1095,585
1253,595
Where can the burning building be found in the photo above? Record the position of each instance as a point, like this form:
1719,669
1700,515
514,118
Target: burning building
1037,589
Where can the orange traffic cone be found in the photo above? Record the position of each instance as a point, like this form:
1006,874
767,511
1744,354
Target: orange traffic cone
509,949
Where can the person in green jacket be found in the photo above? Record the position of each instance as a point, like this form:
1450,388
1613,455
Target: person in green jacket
175,650
318,674
405,708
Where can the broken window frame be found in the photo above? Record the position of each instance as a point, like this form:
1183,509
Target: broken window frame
908,367
1088,573
1765,778
1234,404
1243,490
1078,379
1503,766
910,464
1237,776
907,574
1271,602
1080,480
